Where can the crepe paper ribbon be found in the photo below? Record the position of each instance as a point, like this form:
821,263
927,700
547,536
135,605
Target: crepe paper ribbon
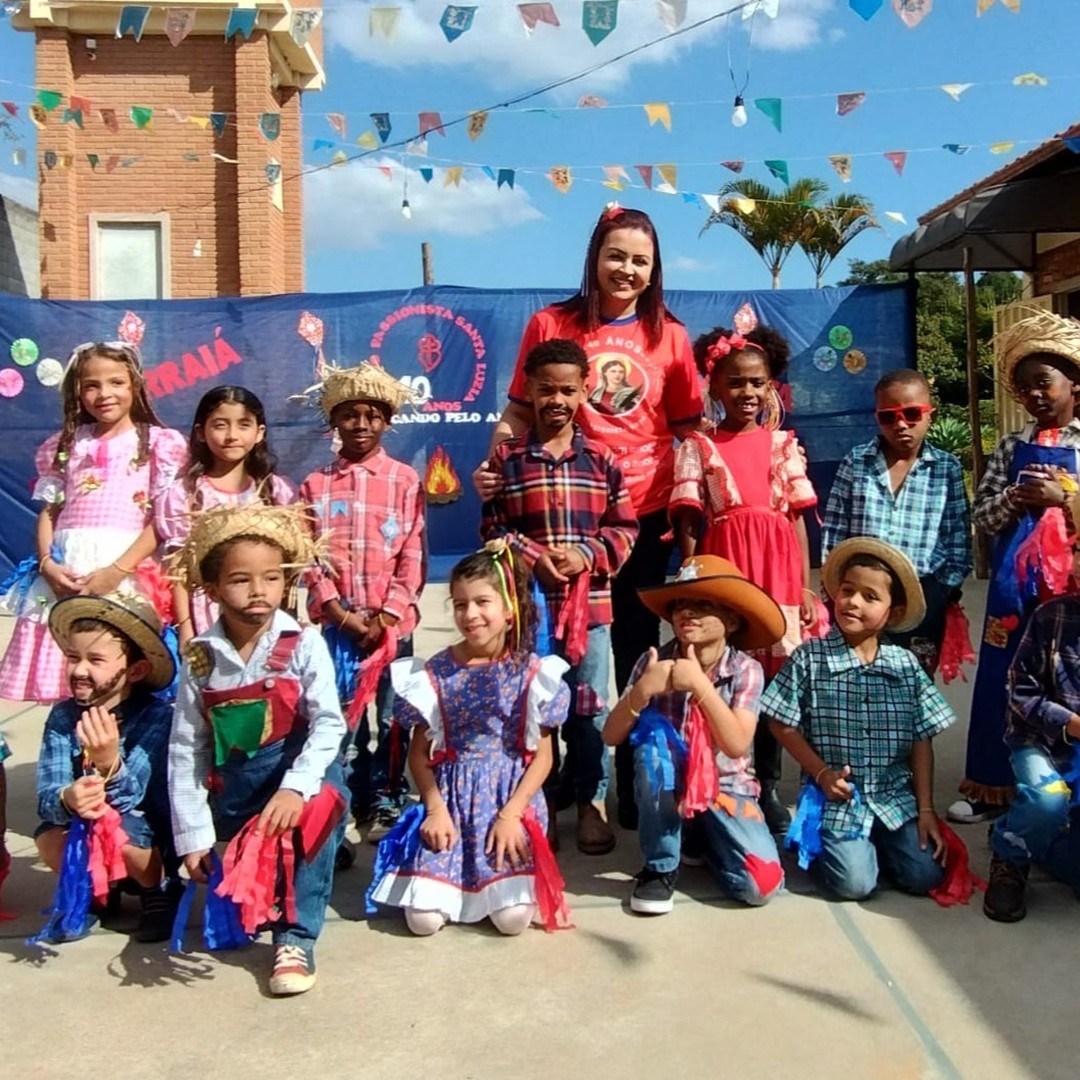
572,629
1046,554
668,760
221,929
396,849
956,649
959,881
369,674
544,644
548,882
702,777
804,833
252,865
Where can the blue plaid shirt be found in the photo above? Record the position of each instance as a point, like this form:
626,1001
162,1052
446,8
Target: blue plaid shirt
928,519
866,716
1044,681
144,723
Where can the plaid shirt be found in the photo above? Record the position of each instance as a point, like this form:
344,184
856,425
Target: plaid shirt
928,519
580,500
144,737
1044,681
993,511
373,513
738,679
866,716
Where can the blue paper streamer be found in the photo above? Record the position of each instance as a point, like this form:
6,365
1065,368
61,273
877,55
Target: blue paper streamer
545,642
221,927
804,832
655,730
398,847
1072,778
24,575
69,914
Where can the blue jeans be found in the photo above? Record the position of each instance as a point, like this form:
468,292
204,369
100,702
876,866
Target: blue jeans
1036,827
849,868
729,837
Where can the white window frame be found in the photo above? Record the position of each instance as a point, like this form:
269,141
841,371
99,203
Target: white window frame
160,220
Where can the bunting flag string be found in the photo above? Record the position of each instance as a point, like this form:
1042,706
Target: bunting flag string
383,20
842,164
132,20
598,19
456,21
179,22
477,123
302,24
847,103
658,112
898,159
773,109
241,23
531,14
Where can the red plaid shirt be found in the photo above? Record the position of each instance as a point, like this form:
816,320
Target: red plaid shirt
373,513
580,500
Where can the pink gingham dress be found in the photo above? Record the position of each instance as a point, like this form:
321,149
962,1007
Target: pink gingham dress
172,520
106,501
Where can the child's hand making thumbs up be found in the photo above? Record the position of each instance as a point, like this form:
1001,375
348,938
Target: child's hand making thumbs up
834,783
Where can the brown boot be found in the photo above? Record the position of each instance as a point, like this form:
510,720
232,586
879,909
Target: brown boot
594,835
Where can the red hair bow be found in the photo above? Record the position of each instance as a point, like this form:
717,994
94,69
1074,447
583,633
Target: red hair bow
720,348
611,211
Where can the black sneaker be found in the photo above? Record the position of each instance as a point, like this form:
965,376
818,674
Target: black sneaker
345,856
386,817
653,892
1004,900
158,911
692,844
777,816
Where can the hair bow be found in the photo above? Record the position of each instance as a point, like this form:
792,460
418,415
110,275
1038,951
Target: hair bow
611,211
721,347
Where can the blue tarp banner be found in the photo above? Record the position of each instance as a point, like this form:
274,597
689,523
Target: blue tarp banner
456,346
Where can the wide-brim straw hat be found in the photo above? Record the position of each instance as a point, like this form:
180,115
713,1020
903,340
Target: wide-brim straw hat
1041,332
914,602
709,577
290,528
365,382
129,613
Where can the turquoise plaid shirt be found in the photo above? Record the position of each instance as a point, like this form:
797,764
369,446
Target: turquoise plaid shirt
928,519
866,716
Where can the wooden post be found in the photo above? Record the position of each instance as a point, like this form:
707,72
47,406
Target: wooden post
426,263
978,462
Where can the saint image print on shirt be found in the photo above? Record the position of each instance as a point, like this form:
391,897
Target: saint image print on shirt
619,386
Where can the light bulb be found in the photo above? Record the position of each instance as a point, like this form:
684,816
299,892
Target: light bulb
406,210
738,113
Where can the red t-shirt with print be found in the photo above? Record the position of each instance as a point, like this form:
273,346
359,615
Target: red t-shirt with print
635,395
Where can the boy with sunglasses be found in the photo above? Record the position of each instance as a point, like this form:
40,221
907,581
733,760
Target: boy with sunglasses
900,489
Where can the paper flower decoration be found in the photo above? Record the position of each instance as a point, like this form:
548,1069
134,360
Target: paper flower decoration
24,351
131,328
310,328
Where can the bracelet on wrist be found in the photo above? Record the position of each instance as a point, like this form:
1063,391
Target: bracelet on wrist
123,569
927,810
344,618
820,773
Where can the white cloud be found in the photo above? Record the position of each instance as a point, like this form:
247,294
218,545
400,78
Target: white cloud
687,264
20,188
355,207
499,48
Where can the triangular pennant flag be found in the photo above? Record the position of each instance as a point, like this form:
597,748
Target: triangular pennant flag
895,215
179,22
273,172
955,148
38,116
772,107
112,162
955,89
1072,143
323,144
672,13
476,124
339,158
337,121
50,159
456,21
615,185
453,176
591,101
93,159
49,99
10,108
712,202
190,155
912,12
645,172
387,172
383,20
270,125
427,174
73,116
126,163
898,159
744,206
368,141
598,19
1001,147
658,112
506,176
132,20
108,118
531,14
417,146
846,103
982,6
66,161
867,9
141,115
302,24
200,121
217,122
488,171
177,115
1027,79
842,164
381,120
690,197
561,178
734,166
431,121
81,104
615,177
242,22
779,169
670,173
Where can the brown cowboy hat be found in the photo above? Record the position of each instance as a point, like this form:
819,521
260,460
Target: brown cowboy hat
709,577
896,561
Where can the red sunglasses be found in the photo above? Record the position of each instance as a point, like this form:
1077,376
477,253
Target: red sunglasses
912,414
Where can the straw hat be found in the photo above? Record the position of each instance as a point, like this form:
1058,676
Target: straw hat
366,382
1041,332
128,613
287,527
833,570
709,577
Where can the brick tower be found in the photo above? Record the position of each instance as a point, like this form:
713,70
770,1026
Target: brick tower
176,208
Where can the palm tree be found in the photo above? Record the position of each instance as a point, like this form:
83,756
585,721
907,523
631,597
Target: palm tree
829,228
776,221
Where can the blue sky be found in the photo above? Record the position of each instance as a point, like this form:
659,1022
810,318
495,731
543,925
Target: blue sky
534,236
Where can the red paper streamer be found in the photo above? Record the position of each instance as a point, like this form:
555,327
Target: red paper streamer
251,873
105,845
548,881
956,648
702,777
367,682
959,881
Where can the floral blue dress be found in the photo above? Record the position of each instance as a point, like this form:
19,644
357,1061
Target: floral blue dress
484,721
